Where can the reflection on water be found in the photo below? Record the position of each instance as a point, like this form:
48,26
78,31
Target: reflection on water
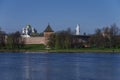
63,66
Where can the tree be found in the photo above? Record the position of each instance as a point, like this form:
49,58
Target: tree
57,41
96,40
15,41
68,38
51,41
60,40
114,35
108,37
114,30
2,38
111,35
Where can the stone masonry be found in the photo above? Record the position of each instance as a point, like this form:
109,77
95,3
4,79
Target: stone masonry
35,40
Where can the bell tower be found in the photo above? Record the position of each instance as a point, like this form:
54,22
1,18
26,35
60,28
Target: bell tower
78,30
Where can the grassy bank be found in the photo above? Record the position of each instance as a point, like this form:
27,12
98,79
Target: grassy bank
85,50
42,48
61,50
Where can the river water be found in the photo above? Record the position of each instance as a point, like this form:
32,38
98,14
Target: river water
59,66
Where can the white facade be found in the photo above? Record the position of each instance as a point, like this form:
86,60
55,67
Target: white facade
27,31
25,36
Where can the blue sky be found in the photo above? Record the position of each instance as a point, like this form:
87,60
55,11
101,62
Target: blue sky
60,14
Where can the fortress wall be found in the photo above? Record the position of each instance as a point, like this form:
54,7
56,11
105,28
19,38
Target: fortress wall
35,40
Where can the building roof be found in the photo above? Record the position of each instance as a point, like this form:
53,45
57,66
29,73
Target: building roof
81,36
48,29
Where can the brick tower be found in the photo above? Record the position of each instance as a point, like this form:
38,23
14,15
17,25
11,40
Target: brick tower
47,32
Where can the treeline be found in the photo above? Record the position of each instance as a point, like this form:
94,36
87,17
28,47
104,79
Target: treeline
11,40
107,37
60,40
65,40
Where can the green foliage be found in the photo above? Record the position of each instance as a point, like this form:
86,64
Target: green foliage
34,47
60,40
57,42
51,42
15,41
35,34
41,34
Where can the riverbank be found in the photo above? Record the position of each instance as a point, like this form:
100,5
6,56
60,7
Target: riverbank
42,48
63,50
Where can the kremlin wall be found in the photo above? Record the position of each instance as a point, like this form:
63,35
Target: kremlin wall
29,39
27,31
35,40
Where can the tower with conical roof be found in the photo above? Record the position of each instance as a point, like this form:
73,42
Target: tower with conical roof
48,31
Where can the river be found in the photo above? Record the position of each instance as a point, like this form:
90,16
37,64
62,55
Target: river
59,66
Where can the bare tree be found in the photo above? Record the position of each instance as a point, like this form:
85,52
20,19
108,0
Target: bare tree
2,38
108,37
96,40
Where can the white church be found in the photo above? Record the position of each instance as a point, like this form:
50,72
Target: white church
28,30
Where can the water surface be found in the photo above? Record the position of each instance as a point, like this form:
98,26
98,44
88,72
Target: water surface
62,66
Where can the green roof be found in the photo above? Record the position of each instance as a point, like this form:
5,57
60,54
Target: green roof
48,29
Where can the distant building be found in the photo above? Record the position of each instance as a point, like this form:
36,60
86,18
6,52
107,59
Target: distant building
48,31
28,31
78,30
77,40
80,40
37,39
